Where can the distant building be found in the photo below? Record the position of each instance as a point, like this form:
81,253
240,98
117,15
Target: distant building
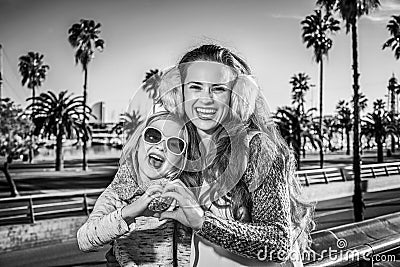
98,110
103,133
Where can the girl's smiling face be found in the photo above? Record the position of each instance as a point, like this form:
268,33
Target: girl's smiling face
207,94
156,160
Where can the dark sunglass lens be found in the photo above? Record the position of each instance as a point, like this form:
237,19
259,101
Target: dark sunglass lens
152,135
176,145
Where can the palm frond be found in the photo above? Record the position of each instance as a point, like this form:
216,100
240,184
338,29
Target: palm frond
32,69
316,30
84,38
63,112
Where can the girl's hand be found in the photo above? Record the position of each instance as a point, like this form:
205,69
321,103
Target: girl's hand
188,211
139,207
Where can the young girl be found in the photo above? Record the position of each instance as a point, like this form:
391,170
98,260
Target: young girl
125,214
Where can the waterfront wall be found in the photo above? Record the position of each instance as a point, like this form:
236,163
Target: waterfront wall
46,232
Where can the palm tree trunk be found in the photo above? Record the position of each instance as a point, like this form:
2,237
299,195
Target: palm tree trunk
84,160
59,152
321,148
330,147
347,142
379,144
297,145
13,188
30,149
342,139
392,113
33,99
392,143
297,155
358,197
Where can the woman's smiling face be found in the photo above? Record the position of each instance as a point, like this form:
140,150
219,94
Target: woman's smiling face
207,94
155,160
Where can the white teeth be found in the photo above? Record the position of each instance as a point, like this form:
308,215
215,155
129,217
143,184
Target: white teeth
206,110
156,157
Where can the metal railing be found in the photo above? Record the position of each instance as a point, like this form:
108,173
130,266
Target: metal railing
375,170
319,176
361,253
24,209
328,175
30,208
347,245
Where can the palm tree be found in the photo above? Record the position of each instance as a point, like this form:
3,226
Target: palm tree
288,123
379,124
350,11
60,116
308,129
291,124
345,119
331,128
394,89
128,123
393,42
300,86
151,82
362,101
363,104
316,29
33,71
84,38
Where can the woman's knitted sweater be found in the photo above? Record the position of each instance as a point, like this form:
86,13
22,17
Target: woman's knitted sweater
150,242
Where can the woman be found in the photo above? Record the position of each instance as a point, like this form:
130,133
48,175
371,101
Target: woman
250,211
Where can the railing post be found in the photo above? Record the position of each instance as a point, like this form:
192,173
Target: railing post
326,179
31,211
343,174
386,170
373,173
85,204
305,177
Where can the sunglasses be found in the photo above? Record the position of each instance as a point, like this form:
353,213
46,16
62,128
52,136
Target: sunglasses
154,136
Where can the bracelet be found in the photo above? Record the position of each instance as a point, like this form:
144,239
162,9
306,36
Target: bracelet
205,216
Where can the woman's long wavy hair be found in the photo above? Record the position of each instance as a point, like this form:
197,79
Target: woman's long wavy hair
247,108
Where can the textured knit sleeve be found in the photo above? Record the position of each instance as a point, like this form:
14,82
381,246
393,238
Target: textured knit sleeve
105,223
268,234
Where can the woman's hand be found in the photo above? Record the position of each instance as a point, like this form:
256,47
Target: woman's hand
139,207
188,211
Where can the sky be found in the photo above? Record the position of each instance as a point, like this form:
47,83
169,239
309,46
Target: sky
149,34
